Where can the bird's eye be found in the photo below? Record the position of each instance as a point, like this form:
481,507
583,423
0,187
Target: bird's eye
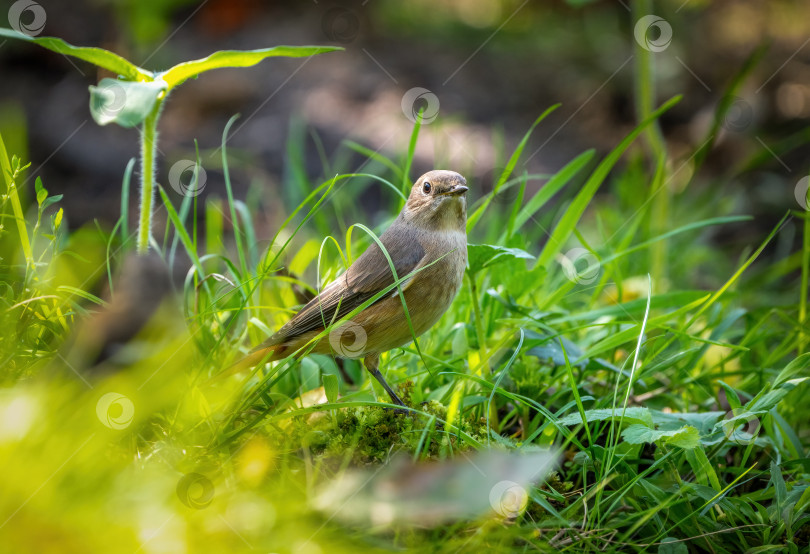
426,188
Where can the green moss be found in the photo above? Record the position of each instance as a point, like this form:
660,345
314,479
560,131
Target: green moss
371,433
525,373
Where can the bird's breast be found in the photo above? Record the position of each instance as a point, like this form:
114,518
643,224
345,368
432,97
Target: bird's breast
435,287
428,294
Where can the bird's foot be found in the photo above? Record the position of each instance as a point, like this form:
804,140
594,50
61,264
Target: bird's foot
398,401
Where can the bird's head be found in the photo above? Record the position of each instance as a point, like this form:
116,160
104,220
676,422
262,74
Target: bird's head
438,200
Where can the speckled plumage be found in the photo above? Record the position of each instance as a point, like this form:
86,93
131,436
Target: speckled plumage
431,228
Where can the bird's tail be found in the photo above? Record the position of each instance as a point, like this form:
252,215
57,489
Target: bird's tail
261,355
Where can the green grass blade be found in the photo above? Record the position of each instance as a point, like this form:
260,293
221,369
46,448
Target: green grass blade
507,171
406,169
737,273
554,185
185,207
726,103
249,231
571,217
125,186
575,391
804,289
377,157
237,231
174,217
502,374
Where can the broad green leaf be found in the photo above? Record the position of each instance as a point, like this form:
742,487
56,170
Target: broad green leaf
731,396
633,414
761,404
96,56
126,103
237,58
50,200
569,220
480,256
703,421
460,346
42,193
330,387
779,487
686,437
310,374
57,219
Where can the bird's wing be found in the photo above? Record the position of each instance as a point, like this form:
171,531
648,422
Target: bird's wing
367,276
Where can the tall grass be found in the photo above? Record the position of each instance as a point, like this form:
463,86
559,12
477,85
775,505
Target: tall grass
676,407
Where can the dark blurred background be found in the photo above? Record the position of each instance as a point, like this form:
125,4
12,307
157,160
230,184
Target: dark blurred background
493,66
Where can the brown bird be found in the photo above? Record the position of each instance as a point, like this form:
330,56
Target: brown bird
428,239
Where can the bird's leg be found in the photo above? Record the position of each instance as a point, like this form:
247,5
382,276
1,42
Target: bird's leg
372,362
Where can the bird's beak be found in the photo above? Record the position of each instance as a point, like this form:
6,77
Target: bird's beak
457,190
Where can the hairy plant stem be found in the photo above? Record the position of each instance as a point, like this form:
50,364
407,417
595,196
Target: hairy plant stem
148,148
804,289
